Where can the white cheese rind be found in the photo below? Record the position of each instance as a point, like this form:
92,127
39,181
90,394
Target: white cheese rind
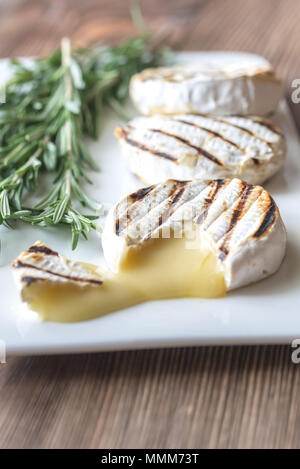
201,147
41,264
210,87
241,220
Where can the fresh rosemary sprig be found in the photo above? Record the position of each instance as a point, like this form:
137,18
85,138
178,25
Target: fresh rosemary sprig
107,72
50,107
41,128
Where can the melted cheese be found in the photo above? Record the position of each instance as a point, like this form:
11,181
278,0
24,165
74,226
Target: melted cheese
158,269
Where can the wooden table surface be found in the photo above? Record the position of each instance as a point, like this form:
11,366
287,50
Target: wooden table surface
216,397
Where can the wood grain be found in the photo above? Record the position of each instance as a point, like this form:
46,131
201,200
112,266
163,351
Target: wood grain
216,397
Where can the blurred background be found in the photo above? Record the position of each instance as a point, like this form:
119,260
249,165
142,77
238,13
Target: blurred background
267,27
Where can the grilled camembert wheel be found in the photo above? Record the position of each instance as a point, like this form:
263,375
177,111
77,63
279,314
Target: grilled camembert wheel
176,239
222,84
200,147
238,223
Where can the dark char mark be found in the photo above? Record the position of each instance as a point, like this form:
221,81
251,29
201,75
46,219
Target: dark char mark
200,150
122,222
141,193
20,264
212,132
174,199
224,253
267,221
216,186
175,196
241,205
43,249
236,215
122,133
117,227
144,148
244,129
269,125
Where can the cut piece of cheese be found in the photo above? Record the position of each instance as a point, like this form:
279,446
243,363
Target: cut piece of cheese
201,147
238,222
64,291
222,84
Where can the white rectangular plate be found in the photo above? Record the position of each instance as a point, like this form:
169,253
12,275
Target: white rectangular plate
267,312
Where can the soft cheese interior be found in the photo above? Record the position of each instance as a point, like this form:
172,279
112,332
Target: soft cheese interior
160,268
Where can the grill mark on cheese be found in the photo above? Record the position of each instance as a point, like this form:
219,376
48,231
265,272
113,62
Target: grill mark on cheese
123,221
238,211
141,193
268,219
239,145
19,265
173,201
35,248
237,214
137,198
269,125
212,132
122,134
215,187
244,129
117,227
247,195
199,150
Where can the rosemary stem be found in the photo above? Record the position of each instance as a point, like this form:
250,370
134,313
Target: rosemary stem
66,62
68,179
22,170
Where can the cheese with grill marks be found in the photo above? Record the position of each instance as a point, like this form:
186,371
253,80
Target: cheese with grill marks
62,290
237,222
201,147
171,240
232,83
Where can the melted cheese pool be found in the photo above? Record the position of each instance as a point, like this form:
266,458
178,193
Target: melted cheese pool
161,268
